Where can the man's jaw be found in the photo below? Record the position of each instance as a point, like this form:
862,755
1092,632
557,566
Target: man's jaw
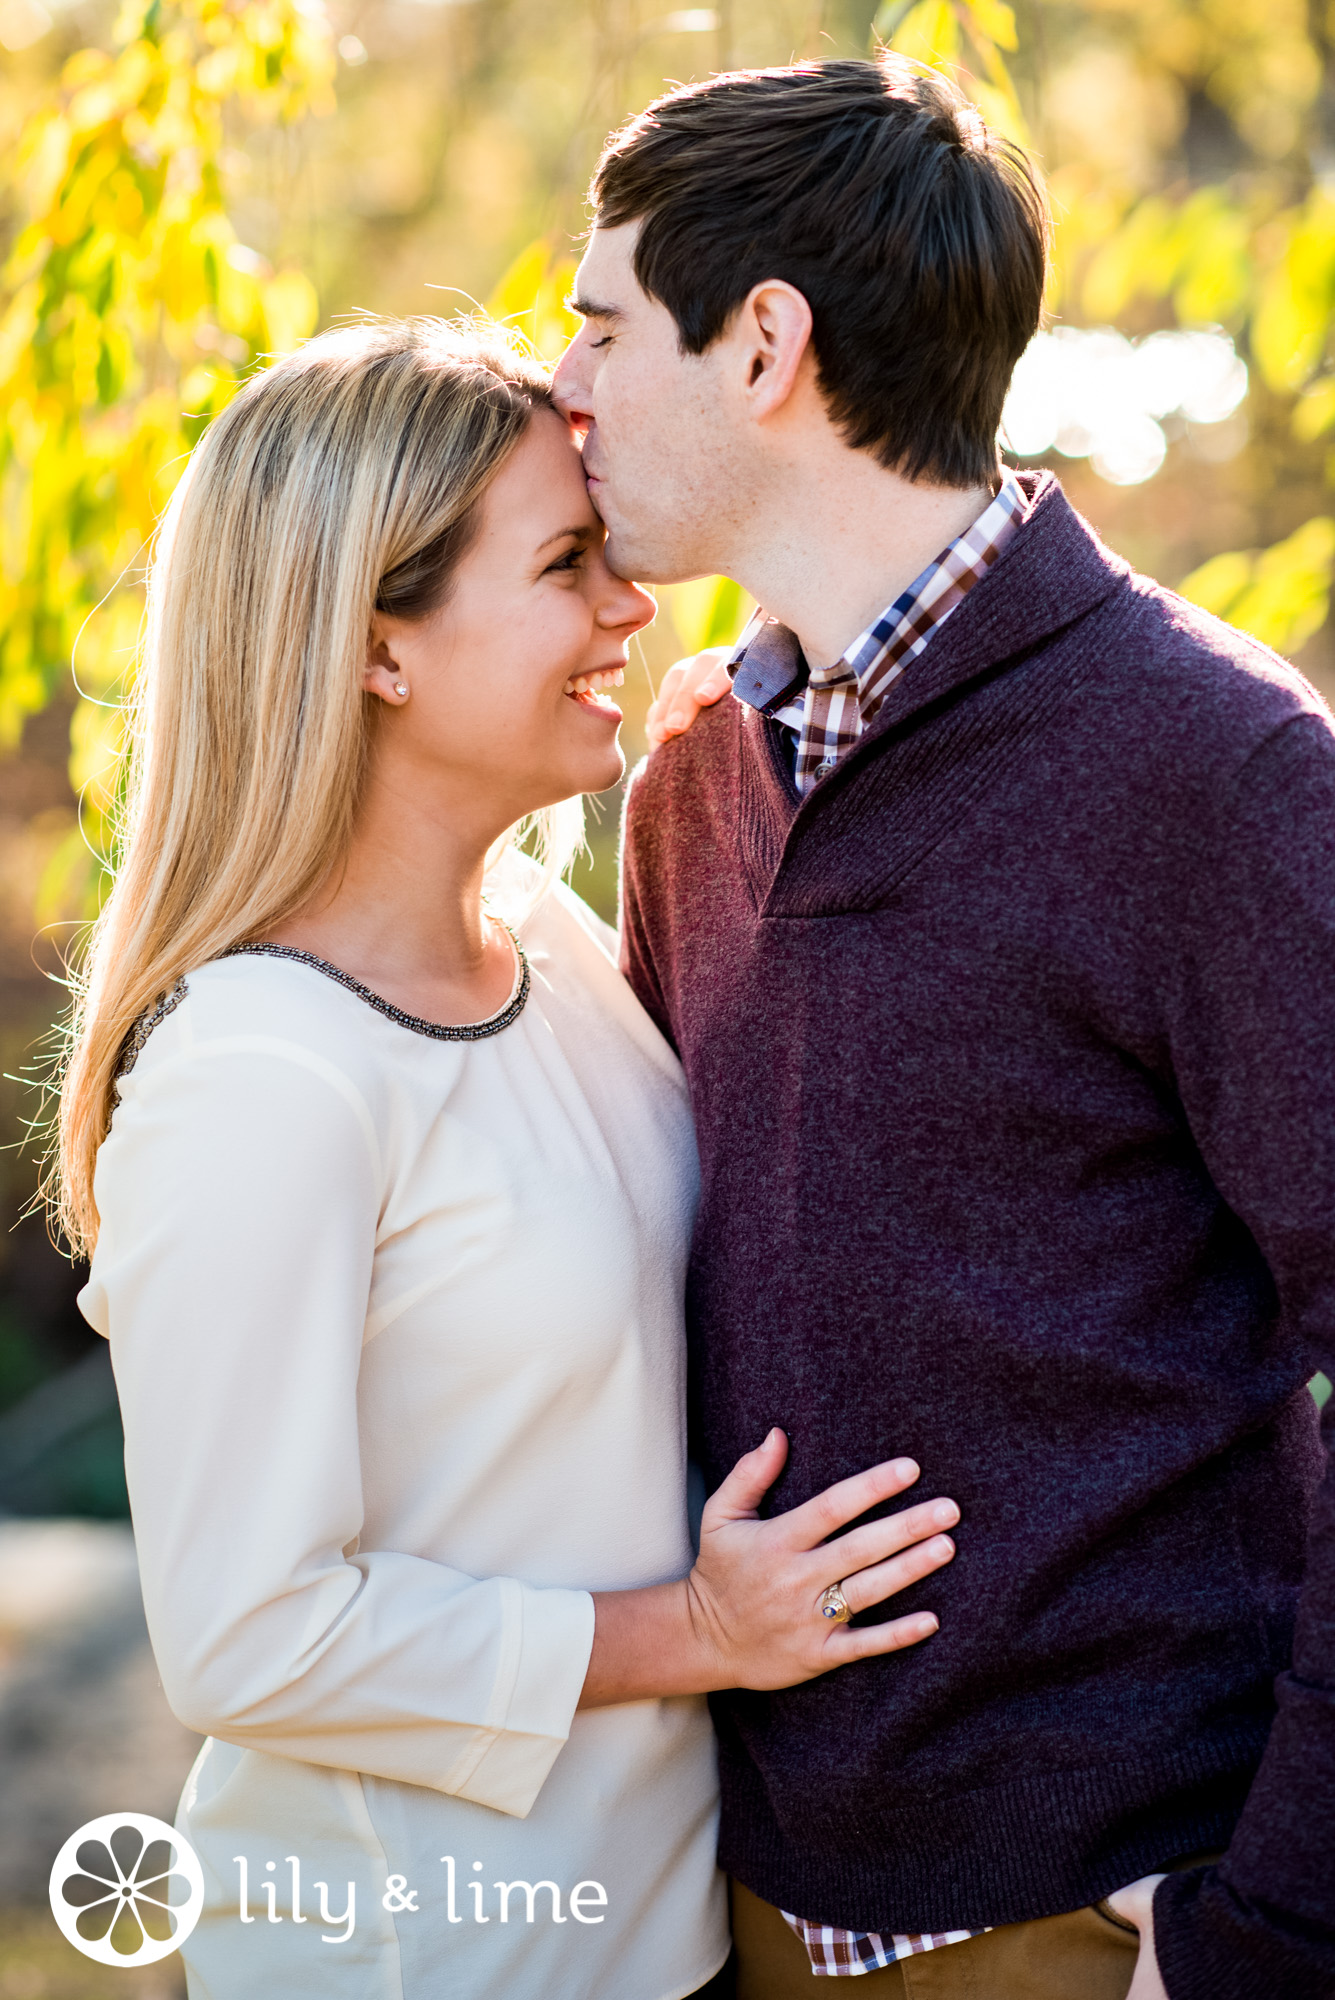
620,551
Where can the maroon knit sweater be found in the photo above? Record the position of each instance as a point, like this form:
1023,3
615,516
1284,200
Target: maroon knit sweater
1012,1055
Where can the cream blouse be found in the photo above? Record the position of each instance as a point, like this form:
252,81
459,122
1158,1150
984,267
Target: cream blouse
397,1329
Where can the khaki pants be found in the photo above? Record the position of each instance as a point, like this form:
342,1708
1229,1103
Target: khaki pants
1086,1955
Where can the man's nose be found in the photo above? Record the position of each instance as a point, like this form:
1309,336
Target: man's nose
560,382
568,392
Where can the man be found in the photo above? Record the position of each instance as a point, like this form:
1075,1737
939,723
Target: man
994,920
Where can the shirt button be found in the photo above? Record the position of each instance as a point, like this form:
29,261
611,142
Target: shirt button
824,770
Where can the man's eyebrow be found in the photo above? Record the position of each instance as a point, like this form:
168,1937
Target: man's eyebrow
590,308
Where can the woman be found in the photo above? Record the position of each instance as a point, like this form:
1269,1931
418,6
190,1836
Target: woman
389,1228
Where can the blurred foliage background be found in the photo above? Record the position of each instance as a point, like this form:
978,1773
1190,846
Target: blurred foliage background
193,184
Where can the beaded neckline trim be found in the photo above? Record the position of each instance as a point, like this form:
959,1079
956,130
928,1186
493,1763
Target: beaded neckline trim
134,1042
472,1031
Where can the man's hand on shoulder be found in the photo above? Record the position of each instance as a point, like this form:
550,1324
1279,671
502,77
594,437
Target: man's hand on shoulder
1135,1904
691,685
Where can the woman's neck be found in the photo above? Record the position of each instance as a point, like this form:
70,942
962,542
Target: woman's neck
404,912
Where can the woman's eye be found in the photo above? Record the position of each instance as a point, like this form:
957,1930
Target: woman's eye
570,560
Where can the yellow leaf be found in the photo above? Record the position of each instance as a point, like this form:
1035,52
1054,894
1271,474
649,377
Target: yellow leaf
96,737
1293,314
112,325
531,296
709,611
84,67
1140,255
104,653
1315,410
998,103
929,33
993,21
1310,547
516,290
21,693
1216,265
1219,583
197,388
1285,340
1281,596
217,73
92,106
291,309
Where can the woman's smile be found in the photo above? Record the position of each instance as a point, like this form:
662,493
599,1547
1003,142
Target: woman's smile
588,690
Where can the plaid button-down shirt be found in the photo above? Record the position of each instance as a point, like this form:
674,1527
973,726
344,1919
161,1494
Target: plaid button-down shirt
829,708
837,1954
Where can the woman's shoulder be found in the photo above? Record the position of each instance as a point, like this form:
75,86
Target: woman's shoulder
278,1013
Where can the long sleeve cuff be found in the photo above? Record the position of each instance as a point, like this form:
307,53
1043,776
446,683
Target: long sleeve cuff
1212,1944
540,1676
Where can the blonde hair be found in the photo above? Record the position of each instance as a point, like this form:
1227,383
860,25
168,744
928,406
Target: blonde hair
345,479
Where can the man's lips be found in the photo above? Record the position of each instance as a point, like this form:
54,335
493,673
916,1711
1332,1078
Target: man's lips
594,487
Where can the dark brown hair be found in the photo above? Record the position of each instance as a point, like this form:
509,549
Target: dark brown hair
917,235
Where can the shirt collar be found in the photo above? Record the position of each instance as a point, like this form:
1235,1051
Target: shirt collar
767,665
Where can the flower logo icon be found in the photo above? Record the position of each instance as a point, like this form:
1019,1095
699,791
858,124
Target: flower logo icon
126,1889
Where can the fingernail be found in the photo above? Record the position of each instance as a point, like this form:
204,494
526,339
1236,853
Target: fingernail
928,1625
945,1513
942,1546
676,720
905,1469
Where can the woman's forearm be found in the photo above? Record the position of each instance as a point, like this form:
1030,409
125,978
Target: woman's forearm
646,1644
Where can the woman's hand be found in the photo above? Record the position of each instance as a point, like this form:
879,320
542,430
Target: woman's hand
688,687
748,1615
1135,1905
756,1587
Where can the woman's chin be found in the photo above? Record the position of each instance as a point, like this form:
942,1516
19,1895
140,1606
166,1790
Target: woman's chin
604,772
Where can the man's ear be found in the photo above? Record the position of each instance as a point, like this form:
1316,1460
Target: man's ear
773,328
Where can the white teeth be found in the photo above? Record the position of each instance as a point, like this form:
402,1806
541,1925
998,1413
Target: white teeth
592,683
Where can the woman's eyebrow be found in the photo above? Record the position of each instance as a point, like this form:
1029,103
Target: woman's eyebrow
581,533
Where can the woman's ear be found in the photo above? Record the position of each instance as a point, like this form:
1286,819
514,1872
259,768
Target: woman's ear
382,674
